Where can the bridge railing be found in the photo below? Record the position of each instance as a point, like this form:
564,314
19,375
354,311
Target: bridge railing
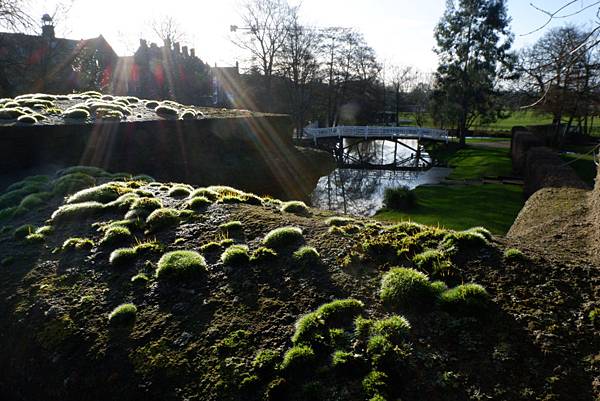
344,131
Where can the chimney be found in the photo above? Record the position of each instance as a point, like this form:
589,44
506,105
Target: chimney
184,49
193,52
176,47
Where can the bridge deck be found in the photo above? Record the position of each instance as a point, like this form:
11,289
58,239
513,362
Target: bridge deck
375,133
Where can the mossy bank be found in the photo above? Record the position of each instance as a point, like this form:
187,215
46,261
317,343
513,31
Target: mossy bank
121,287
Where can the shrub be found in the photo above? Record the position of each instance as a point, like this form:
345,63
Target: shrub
405,287
514,255
140,279
296,207
76,211
23,231
236,255
162,218
198,203
466,298
102,193
433,262
375,383
339,221
123,314
300,358
266,360
122,256
394,328
115,235
76,243
180,265
306,255
283,237
179,191
401,198
263,255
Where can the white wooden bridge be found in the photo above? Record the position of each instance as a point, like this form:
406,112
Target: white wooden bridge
376,133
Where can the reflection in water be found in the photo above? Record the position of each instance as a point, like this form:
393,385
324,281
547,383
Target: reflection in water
359,191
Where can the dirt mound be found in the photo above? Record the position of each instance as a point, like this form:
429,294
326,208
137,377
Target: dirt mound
133,289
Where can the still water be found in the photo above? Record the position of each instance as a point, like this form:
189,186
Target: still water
359,191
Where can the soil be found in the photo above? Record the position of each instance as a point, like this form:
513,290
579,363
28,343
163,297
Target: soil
535,341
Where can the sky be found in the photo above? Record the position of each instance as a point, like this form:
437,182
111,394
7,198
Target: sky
400,31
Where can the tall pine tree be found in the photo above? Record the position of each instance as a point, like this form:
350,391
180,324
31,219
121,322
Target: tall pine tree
473,43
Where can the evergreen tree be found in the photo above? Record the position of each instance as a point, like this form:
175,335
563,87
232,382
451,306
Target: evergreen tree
473,43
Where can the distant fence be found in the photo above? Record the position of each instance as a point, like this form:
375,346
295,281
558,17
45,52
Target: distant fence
377,132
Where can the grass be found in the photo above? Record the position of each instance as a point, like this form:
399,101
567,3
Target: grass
401,198
475,163
459,207
584,166
180,265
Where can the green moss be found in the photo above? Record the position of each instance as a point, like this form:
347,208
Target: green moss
464,240
23,231
143,206
27,119
594,316
339,221
263,255
179,191
7,261
236,255
344,361
76,113
198,203
152,104
102,193
7,213
234,343
116,235
295,207
466,298
265,362
433,262
123,202
205,193
232,226
283,237
123,314
87,170
406,227
122,256
76,243
306,256
9,113
55,332
298,359
165,111
395,328
403,287
188,114
180,265
35,238
140,279
76,211
36,200
438,287
231,199
162,218
375,383
72,182
362,328
148,247
514,255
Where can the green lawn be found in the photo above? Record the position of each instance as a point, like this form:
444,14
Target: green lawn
494,206
583,165
474,163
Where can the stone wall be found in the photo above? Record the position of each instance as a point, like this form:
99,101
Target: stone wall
252,153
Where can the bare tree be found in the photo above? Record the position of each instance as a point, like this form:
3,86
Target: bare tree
167,29
266,27
401,78
14,15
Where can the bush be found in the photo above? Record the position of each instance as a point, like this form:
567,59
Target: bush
123,314
514,255
76,243
401,198
115,235
298,359
236,255
307,255
263,255
283,237
162,218
296,207
394,328
433,262
76,211
466,298
180,265
122,256
405,287
375,383
265,362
